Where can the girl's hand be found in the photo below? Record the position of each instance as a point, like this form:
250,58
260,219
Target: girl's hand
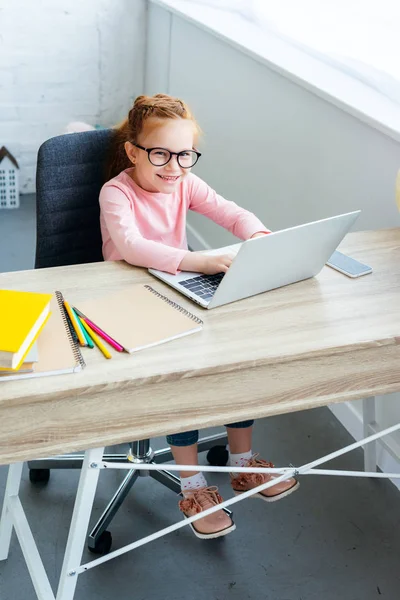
201,263
217,264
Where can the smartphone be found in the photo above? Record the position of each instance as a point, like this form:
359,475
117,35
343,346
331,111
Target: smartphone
347,265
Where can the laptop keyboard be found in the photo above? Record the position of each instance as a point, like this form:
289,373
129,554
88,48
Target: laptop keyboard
203,285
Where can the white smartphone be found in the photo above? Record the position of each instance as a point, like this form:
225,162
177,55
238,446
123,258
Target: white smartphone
347,265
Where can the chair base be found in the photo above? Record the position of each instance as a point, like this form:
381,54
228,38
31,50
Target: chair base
99,539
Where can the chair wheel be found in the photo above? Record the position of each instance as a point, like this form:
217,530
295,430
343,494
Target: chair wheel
39,475
218,456
102,545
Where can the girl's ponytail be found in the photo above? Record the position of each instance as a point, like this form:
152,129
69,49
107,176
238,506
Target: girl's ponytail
117,159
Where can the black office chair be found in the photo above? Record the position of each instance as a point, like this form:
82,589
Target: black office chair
70,173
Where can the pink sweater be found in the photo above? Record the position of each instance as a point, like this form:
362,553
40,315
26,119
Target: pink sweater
148,229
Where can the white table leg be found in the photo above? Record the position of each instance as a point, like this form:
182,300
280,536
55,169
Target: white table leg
79,524
6,522
369,423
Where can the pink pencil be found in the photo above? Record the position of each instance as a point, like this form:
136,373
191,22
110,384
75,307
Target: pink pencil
100,332
104,335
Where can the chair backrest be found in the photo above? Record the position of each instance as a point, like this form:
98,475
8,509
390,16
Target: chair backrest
69,176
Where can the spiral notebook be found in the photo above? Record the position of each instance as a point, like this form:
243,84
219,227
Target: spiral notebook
57,352
139,317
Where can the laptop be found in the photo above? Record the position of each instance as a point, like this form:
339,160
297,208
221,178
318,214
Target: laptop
265,263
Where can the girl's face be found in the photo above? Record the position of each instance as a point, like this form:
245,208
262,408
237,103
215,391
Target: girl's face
172,134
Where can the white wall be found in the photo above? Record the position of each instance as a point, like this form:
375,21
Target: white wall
62,61
271,145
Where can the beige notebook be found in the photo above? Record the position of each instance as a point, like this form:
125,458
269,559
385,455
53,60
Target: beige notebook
139,317
57,351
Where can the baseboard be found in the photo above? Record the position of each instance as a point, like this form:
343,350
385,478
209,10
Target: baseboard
351,419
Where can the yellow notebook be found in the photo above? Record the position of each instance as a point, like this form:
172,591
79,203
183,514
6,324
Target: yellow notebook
26,366
138,317
22,316
58,353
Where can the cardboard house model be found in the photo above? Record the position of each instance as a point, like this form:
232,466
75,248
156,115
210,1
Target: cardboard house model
9,188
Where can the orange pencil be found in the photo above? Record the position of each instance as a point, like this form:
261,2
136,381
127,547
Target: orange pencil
75,325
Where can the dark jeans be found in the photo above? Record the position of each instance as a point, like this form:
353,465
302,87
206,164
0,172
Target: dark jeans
187,438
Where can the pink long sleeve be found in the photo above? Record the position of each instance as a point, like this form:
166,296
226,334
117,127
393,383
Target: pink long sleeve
149,229
134,228
226,213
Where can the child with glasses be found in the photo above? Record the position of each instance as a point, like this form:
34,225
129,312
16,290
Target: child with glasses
143,221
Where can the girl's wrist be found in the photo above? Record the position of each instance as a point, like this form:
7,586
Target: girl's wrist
193,261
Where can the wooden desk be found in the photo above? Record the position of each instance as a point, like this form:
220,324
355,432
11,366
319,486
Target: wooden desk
323,340
326,339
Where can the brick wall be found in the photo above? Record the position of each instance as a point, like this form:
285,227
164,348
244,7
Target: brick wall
62,61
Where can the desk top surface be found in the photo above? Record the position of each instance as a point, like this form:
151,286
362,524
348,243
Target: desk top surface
330,313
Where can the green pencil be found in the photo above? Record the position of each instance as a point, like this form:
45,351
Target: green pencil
88,339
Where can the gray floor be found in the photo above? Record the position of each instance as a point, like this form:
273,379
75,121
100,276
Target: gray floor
334,538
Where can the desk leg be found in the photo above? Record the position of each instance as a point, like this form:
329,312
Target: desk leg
369,424
6,522
79,524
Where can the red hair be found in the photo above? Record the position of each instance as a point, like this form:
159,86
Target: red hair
161,107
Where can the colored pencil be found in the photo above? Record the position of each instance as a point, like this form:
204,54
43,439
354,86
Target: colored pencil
96,340
107,338
75,325
86,335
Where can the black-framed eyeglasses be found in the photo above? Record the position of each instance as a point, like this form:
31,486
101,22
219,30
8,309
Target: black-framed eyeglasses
161,156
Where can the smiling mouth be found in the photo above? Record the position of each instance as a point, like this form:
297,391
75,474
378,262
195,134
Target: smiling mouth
171,179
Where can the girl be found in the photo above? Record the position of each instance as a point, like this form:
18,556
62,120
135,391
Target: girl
143,221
